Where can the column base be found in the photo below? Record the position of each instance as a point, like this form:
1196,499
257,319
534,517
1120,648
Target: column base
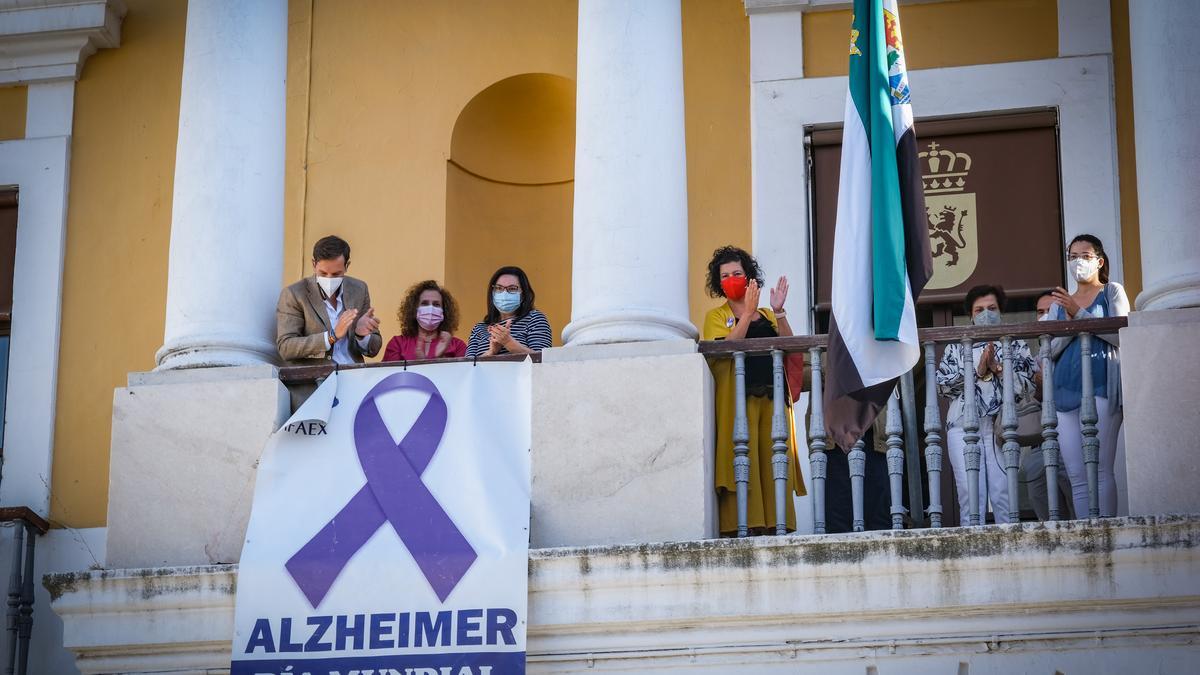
1160,384
185,447
215,351
634,326
622,451
1175,293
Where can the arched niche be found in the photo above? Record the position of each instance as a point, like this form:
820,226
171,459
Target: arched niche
509,193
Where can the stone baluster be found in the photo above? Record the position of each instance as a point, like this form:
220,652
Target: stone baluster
12,615
970,422
1049,429
895,460
741,440
25,617
779,439
1087,421
817,459
1008,421
858,469
912,444
933,438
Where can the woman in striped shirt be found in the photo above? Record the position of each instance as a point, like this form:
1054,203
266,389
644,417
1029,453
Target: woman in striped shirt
511,325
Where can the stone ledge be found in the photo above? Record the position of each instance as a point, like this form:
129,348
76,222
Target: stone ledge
1083,594
265,371
1161,317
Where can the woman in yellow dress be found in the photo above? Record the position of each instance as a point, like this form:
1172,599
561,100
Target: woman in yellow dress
734,274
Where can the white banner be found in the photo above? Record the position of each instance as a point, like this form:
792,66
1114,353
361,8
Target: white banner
390,528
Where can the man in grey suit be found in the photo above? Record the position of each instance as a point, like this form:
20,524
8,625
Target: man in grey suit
328,316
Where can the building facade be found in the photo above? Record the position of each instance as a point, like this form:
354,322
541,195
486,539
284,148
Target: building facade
444,139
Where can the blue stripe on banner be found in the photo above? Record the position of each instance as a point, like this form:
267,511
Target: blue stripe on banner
466,663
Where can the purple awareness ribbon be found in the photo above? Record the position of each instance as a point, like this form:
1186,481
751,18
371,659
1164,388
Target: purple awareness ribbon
393,494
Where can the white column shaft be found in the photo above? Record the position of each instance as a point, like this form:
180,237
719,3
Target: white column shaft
629,277
1166,112
226,258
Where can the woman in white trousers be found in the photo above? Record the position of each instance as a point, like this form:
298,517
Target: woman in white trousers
1095,297
984,304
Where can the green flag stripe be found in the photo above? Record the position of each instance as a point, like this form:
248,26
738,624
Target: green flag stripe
870,92
859,73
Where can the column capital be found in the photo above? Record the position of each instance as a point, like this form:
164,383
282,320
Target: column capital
49,40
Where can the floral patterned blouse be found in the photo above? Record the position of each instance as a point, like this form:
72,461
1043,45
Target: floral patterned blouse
989,391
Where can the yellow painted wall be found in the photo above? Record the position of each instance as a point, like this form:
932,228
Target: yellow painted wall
118,230
295,178
12,113
716,80
936,35
492,224
509,194
1131,241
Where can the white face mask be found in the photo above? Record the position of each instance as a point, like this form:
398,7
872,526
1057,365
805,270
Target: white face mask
330,285
1083,269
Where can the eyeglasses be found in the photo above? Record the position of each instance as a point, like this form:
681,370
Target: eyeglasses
1081,256
506,289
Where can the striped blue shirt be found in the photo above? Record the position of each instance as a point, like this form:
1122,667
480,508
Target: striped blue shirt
531,330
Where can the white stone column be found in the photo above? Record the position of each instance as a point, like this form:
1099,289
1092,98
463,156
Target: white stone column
226,259
630,276
1166,112
1158,377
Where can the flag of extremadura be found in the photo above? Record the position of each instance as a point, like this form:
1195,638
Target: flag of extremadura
881,247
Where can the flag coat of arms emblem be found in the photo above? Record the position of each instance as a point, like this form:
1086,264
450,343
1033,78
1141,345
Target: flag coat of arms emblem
881,258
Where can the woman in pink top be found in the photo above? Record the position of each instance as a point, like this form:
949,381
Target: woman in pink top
428,317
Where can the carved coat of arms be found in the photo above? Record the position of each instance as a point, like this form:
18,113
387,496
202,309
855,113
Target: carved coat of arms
950,210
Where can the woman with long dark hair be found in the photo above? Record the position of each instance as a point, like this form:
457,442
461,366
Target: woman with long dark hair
511,325
1095,297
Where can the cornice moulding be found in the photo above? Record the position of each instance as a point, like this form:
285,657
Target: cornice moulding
49,40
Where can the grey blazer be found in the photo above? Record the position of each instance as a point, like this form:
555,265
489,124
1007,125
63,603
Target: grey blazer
1118,305
301,322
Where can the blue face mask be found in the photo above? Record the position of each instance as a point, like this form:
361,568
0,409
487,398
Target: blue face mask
987,317
506,301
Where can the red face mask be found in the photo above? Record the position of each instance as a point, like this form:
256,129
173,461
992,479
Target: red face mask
734,287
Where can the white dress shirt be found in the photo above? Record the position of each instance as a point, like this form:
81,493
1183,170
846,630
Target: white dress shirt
341,348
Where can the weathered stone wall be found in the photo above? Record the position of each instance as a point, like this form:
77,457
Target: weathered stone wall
1114,596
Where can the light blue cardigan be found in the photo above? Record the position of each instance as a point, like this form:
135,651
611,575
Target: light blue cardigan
1118,305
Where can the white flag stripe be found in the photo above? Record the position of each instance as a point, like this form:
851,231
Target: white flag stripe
876,361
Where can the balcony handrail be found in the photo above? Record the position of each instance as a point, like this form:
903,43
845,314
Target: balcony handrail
26,515
1020,331
310,374
1038,335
